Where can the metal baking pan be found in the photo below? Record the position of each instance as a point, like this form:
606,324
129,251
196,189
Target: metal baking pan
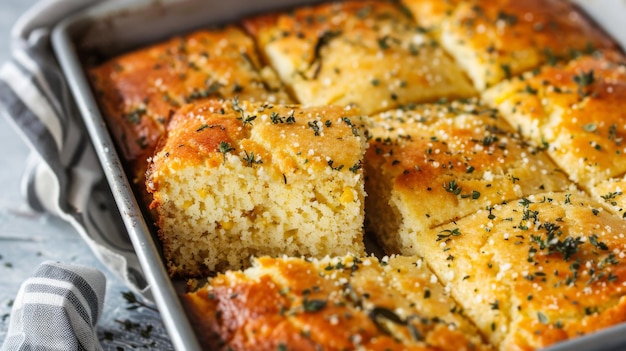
114,26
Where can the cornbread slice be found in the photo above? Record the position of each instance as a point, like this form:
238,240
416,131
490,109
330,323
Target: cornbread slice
139,91
343,303
368,53
534,271
496,39
234,180
577,111
435,163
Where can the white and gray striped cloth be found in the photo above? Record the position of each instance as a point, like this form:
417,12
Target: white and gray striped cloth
57,309
61,303
62,176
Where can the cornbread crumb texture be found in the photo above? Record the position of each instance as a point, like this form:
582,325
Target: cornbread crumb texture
367,53
432,164
497,39
336,304
575,111
533,272
139,91
235,179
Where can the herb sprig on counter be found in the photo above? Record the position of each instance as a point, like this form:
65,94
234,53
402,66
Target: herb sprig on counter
134,303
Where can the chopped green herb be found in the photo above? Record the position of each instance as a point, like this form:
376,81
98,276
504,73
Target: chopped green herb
224,148
530,90
379,314
338,168
507,18
251,158
584,80
447,233
135,115
316,128
542,318
452,187
313,305
415,333
593,240
507,70
356,167
590,127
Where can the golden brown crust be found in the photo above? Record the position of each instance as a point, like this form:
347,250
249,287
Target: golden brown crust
535,271
138,92
496,39
335,304
574,110
430,13
436,163
368,53
612,192
300,137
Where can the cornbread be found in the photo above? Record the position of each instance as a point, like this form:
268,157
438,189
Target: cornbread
232,180
481,139
367,53
497,39
433,164
343,303
576,111
534,271
138,92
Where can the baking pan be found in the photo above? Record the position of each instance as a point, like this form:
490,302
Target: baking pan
114,26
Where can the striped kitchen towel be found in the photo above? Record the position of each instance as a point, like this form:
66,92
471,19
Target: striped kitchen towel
57,309
62,176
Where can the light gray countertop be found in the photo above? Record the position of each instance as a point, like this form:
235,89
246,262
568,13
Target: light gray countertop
28,238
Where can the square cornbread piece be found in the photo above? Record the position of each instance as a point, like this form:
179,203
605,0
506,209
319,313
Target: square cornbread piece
232,180
577,111
496,39
139,91
433,164
343,303
535,271
367,53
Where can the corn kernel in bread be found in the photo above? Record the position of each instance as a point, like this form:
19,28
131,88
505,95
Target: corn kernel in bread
534,271
139,91
233,180
366,53
432,164
341,303
576,110
495,39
